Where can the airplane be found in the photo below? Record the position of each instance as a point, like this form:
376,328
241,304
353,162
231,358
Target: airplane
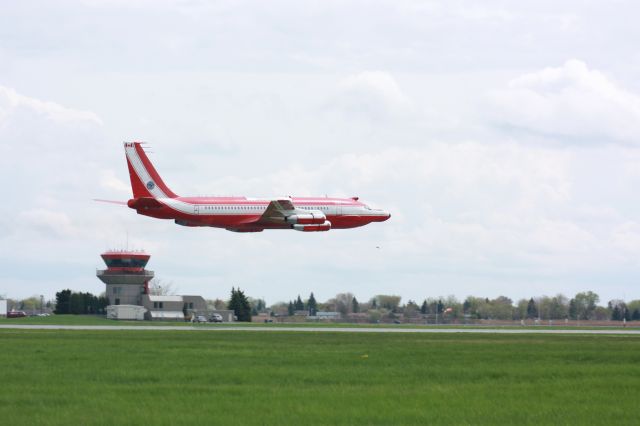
152,197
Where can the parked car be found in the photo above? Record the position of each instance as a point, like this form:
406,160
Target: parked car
201,318
215,318
16,314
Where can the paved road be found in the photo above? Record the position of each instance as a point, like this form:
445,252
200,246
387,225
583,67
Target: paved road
317,329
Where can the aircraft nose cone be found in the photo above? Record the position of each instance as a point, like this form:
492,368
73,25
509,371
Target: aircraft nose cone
382,215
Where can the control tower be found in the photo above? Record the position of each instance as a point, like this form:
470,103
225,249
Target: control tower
125,276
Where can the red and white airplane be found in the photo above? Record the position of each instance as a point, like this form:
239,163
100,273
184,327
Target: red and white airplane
152,197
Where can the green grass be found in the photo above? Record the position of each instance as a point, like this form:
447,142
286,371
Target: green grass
101,320
81,320
164,377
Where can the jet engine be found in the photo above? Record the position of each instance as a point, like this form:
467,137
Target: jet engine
311,218
313,228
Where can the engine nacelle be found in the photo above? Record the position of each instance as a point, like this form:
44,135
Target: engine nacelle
187,223
311,218
242,230
313,228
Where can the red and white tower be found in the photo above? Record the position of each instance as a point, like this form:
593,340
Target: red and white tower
125,276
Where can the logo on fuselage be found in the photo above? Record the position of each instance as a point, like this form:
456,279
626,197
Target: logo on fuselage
150,185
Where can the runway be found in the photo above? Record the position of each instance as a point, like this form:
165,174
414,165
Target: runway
316,329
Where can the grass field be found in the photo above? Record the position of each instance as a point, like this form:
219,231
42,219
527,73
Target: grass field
162,377
101,320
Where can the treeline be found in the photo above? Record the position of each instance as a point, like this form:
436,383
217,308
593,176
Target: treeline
583,306
30,304
69,302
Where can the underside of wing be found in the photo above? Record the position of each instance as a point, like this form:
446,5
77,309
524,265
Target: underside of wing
282,213
277,211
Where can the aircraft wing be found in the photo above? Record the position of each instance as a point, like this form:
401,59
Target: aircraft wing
277,211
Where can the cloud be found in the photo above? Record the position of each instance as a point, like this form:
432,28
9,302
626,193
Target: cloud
111,182
626,238
12,103
570,102
49,223
374,95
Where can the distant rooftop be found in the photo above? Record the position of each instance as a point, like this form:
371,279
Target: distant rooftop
126,252
154,298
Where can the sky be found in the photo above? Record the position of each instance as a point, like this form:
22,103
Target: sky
503,137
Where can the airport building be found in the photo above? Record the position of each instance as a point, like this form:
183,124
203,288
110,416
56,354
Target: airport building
173,307
129,297
126,278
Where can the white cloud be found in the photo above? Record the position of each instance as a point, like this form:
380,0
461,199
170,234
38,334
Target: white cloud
11,102
111,182
570,101
273,99
49,223
375,95
626,238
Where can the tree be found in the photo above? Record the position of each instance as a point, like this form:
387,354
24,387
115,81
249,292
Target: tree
499,308
573,309
477,307
465,306
616,314
424,309
355,307
30,304
558,307
342,302
257,305
585,304
63,302
240,305
217,304
291,309
411,309
374,303
390,302
633,306
618,310
452,307
299,304
157,287
312,305
68,302
532,310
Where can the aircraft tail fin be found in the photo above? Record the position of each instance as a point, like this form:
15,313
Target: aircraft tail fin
145,180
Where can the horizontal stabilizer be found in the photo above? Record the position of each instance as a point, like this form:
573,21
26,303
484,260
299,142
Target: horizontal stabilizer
122,203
